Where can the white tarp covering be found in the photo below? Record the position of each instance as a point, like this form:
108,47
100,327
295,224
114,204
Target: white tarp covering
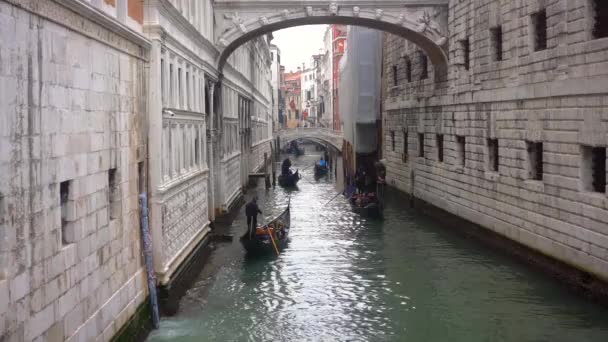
359,89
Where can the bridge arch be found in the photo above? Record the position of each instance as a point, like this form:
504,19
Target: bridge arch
417,24
323,136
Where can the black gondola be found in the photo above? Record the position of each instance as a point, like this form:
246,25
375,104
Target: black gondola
298,151
289,180
260,242
367,207
320,171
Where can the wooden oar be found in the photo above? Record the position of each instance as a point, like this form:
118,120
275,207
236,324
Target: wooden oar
272,239
333,198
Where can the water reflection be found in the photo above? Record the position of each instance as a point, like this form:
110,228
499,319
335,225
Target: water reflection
344,278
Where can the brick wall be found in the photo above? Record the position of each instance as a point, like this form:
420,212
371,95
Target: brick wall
556,96
71,111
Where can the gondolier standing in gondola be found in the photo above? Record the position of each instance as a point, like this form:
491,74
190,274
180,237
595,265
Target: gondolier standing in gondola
251,211
285,167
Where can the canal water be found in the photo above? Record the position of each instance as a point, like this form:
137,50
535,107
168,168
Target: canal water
347,278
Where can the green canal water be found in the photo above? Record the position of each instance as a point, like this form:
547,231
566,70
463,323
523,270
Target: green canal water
346,278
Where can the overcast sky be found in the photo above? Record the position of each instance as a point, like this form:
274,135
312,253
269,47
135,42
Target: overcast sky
298,43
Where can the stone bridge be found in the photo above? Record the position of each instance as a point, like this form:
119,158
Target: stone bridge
423,22
323,136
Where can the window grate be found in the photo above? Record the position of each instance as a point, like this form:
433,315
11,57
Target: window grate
497,37
461,149
408,70
395,76
440,147
466,53
112,194
405,146
600,27
594,168
539,21
424,66
421,144
493,154
535,158
67,235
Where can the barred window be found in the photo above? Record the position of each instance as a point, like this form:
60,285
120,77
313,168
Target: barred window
539,22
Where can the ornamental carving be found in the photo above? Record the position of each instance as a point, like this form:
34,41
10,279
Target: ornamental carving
426,23
263,21
309,11
333,8
356,11
237,21
222,42
379,14
401,18
285,13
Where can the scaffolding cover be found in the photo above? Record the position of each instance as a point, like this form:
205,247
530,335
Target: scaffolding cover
359,87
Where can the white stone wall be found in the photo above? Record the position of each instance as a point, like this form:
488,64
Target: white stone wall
557,97
181,116
231,174
71,110
256,158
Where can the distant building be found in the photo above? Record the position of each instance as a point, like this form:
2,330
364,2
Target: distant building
326,84
293,95
275,80
338,47
308,96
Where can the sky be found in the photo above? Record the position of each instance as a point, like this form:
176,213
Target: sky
298,43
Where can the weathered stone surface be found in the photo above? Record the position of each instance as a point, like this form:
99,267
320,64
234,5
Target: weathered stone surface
64,82
556,96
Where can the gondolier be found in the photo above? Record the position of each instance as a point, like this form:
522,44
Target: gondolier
251,211
271,238
285,167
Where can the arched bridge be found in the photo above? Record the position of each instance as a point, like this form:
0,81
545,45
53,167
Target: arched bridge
424,22
323,136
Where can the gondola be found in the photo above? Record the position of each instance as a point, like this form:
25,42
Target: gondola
289,180
371,208
320,171
260,242
298,151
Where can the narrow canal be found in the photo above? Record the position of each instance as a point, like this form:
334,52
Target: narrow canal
345,278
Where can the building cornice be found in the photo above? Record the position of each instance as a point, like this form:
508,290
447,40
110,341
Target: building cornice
97,25
100,17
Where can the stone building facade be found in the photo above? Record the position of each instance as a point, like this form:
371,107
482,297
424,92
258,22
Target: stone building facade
202,126
515,140
72,163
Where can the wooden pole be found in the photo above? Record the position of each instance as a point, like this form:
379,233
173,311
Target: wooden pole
266,177
271,239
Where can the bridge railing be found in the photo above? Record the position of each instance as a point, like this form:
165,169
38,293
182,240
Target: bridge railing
310,130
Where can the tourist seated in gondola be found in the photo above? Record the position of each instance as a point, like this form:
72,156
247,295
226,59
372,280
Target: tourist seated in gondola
251,211
322,162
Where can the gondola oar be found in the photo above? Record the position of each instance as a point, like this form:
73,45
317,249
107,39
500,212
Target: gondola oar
333,198
271,238
308,167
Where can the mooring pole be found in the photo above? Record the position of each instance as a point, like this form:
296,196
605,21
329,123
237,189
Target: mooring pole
145,232
266,175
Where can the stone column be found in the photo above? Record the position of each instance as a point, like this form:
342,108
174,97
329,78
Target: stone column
155,129
210,154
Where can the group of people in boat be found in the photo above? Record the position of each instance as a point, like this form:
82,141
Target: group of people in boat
368,189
